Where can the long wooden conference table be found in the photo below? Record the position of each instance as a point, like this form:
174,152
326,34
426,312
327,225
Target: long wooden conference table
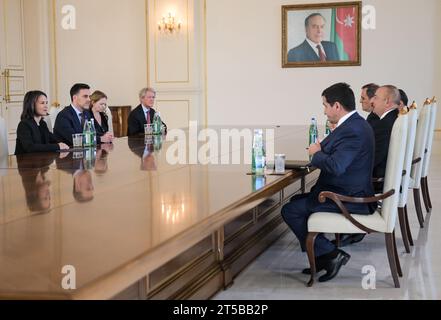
129,225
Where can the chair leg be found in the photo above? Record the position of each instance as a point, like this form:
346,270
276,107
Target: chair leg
397,259
337,240
419,210
403,226
409,232
310,240
426,183
391,257
424,191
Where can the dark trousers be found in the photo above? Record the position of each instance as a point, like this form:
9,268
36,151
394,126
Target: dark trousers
296,214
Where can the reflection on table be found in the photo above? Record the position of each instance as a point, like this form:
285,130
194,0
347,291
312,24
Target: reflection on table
119,212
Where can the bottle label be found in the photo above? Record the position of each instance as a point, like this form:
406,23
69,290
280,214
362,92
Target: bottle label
312,138
87,139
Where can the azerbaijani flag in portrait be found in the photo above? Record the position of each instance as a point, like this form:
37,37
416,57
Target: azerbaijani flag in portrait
344,24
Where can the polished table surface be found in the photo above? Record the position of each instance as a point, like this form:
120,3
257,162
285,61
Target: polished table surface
119,213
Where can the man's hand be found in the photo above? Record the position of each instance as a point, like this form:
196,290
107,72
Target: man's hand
314,148
63,146
63,155
106,147
107,138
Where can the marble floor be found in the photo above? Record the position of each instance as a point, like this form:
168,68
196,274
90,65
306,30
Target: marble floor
276,274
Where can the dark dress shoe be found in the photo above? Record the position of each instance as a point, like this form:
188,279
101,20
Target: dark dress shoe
319,266
333,265
348,239
308,270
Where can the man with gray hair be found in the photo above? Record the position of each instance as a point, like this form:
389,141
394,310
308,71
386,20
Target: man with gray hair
142,114
385,102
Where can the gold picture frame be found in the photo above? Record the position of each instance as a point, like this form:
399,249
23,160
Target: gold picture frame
321,35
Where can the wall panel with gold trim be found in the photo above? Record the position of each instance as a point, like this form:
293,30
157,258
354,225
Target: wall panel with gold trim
175,60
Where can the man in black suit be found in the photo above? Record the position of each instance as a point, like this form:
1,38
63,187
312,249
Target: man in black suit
70,120
386,102
314,48
367,95
142,114
345,159
384,111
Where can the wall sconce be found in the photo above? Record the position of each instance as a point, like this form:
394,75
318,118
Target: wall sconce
169,24
174,210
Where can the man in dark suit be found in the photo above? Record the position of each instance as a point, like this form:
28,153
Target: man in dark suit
70,120
384,111
367,96
314,48
386,102
142,114
345,159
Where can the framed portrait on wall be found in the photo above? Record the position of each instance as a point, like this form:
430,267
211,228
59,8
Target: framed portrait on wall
321,35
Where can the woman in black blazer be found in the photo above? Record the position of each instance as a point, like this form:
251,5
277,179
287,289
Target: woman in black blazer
98,105
32,132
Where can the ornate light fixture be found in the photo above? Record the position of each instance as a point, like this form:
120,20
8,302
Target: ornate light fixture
169,24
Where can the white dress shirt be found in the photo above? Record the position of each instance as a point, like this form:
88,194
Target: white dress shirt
346,117
145,109
79,113
385,114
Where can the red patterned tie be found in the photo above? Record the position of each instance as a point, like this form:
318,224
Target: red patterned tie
148,117
321,53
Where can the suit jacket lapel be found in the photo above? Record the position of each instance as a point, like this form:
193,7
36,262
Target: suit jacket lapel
76,121
311,53
141,115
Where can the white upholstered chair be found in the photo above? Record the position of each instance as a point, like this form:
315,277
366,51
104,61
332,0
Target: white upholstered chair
418,157
405,183
428,155
4,152
381,221
53,113
109,119
48,121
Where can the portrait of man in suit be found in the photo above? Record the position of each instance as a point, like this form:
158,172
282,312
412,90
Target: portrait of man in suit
320,35
314,48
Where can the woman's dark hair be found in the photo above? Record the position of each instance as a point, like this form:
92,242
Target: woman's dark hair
404,97
29,103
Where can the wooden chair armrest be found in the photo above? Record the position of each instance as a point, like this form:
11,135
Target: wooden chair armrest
414,162
339,199
375,180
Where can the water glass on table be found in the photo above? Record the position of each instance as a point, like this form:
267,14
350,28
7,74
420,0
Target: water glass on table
148,129
77,140
279,163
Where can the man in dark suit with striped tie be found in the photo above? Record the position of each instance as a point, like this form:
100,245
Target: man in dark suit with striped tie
142,114
71,119
314,48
